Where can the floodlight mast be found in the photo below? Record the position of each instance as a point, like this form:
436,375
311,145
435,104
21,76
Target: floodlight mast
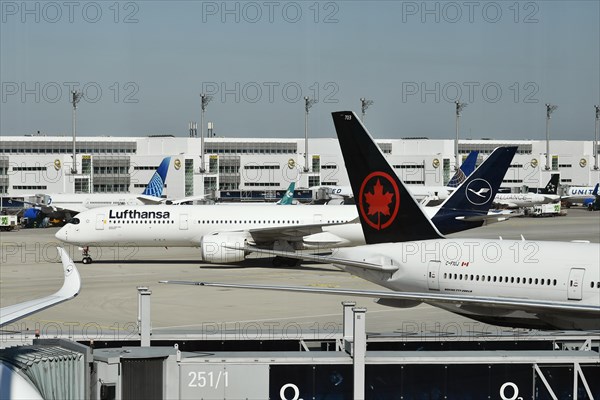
75,98
308,103
459,107
205,99
596,130
364,104
550,108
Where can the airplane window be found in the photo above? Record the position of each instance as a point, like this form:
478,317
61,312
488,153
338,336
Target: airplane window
499,279
598,285
477,277
460,276
530,281
455,276
446,275
489,278
592,285
471,277
73,221
554,282
542,281
512,279
494,279
536,281
518,280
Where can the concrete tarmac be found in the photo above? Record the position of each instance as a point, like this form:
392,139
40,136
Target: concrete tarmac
107,303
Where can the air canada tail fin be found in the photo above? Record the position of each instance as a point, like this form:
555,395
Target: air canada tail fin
288,197
387,210
552,185
465,170
157,182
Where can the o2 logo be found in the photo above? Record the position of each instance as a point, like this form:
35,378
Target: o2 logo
515,391
294,389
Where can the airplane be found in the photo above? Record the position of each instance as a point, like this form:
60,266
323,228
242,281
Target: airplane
581,194
421,193
13,384
69,289
70,204
545,195
217,229
522,284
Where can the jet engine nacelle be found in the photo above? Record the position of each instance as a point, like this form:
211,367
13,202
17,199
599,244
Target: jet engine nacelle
223,248
398,303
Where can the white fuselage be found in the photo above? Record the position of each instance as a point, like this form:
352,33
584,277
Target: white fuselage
524,199
185,225
419,192
565,273
578,194
79,202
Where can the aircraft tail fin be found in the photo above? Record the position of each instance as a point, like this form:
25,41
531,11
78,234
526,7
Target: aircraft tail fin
288,197
466,169
387,210
477,192
595,192
157,182
552,185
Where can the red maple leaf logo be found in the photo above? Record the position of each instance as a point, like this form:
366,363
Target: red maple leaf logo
379,202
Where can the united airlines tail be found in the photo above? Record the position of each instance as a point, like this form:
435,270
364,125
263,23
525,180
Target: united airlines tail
474,197
466,169
157,182
387,210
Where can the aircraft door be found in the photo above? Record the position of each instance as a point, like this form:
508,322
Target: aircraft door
575,283
433,280
99,222
318,218
183,222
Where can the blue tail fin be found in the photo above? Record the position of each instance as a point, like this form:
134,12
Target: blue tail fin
157,182
288,197
466,169
474,196
387,210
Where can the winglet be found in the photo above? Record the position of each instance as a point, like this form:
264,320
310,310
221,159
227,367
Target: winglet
157,182
387,210
595,192
69,289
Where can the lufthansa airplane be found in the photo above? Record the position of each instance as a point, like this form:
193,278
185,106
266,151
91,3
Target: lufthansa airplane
529,284
73,203
222,233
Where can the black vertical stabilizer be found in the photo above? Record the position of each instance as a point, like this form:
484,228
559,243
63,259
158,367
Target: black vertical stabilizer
387,210
551,186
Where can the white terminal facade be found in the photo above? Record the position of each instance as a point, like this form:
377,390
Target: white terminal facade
43,164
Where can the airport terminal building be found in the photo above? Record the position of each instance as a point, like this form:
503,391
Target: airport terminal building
44,164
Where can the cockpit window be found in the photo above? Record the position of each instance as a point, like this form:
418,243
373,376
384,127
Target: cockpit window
73,221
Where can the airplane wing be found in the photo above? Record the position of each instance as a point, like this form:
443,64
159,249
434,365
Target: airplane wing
533,306
48,209
290,232
69,289
325,259
490,217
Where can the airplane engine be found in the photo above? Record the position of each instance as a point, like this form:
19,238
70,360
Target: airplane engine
223,248
398,303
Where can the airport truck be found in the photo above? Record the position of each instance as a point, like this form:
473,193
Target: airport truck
8,222
546,210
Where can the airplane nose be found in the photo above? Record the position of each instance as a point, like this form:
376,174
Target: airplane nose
62,234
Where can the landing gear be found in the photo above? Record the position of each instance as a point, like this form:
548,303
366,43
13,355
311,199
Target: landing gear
86,255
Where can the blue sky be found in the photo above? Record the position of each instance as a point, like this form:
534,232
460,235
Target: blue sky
143,64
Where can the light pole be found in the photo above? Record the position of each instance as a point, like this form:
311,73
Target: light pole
308,103
549,110
205,99
75,98
459,107
596,130
364,104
